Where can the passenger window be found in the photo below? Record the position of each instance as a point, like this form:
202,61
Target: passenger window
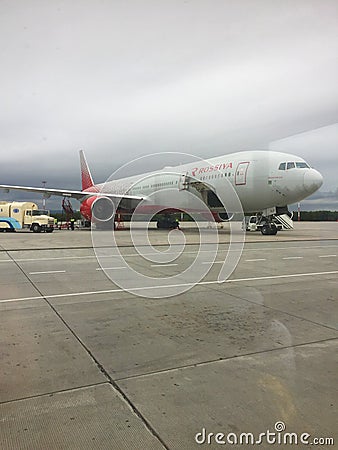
291,165
282,166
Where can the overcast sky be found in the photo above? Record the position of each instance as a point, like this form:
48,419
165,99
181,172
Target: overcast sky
121,79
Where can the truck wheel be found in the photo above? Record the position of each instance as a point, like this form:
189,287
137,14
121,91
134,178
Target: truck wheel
265,230
274,230
36,228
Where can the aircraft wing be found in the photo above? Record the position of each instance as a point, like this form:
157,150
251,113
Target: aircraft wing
78,195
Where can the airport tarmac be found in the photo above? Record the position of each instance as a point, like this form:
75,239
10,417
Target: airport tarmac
86,364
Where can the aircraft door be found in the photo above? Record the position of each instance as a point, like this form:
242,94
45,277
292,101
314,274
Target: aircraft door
241,171
183,182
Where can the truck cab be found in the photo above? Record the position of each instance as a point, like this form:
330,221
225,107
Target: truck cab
28,215
259,223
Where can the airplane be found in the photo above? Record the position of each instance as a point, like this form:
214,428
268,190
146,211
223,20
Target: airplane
265,182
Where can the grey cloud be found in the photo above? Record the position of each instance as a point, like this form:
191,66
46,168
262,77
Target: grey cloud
321,201
123,79
319,147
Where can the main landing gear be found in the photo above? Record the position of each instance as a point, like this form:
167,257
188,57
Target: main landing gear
167,222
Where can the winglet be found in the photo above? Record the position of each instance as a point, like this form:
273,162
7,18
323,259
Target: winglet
86,177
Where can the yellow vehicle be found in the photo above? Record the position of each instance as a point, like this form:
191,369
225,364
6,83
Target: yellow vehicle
27,214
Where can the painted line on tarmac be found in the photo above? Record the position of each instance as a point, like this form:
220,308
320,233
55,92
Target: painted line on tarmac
142,288
47,272
257,259
154,253
327,256
213,262
164,265
293,257
111,268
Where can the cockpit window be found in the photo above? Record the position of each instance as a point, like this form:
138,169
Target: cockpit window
302,165
292,165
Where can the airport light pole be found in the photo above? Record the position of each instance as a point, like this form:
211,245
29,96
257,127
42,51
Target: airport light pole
44,198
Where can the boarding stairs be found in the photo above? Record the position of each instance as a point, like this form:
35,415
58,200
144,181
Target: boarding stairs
285,220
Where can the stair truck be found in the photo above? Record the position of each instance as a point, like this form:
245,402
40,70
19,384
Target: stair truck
16,215
260,223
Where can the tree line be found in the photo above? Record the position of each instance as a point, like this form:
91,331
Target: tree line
317,216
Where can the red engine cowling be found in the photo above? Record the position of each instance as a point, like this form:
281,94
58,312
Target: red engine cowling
86,207
222,216
98,209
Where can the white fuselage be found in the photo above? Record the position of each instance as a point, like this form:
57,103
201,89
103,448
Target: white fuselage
259,178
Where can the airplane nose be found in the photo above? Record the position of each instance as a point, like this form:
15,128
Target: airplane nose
312,181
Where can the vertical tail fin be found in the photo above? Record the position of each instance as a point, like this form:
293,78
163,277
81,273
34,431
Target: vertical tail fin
86,177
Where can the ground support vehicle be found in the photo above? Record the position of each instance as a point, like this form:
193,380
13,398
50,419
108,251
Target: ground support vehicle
16,215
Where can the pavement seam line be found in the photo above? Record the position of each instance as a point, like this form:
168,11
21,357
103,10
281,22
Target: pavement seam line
142,288
110,381
60,391
222,359
159,245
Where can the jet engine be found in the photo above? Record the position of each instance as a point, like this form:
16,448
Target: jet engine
98,209
222,216
86,208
